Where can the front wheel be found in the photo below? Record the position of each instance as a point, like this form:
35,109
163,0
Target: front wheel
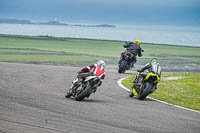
68,94
85,93
146,91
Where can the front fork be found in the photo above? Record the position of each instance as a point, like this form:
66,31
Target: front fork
138,84
73,87
134,92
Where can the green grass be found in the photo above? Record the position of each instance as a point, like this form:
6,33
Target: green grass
61,51
52,50
181,89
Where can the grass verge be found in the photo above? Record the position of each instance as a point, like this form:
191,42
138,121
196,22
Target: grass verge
181,89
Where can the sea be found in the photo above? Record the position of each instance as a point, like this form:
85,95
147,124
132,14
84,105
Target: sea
159,34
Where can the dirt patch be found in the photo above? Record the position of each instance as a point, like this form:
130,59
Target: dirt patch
173,78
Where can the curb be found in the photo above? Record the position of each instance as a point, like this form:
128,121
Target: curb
120,84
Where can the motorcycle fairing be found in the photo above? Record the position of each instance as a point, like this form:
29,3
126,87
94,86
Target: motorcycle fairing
152,75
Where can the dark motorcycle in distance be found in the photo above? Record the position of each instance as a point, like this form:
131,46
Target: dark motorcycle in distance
83,88
147,86
125,63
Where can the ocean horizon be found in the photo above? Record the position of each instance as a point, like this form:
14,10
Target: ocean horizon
158,34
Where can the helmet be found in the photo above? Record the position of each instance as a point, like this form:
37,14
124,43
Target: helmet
102,64
154,60
137,42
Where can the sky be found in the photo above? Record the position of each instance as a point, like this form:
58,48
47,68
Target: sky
158,12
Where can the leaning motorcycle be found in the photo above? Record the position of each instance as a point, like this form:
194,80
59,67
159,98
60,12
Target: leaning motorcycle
146,86
124,64
82,88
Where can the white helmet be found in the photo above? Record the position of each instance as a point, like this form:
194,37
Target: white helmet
102,64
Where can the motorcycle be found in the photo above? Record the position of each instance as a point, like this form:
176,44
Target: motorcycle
125,63
82,88
144,85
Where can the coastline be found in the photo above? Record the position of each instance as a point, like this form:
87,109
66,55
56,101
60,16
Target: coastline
147,34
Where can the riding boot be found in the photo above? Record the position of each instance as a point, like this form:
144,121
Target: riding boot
120,60
131,65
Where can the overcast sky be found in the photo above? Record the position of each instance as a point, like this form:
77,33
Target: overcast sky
168,12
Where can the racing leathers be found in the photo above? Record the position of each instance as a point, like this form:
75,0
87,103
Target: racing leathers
153,67
94,69
133,49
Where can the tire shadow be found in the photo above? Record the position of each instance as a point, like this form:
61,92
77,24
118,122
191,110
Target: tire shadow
87,100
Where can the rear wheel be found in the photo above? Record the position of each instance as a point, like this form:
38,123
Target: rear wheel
147,90
122,66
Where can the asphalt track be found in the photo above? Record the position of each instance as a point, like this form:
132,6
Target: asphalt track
32,100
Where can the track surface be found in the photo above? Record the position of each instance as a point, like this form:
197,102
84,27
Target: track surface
32,100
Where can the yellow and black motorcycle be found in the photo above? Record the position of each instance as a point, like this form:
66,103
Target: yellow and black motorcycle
144,84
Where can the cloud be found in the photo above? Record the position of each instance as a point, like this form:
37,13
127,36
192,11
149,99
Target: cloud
172,3
139,11
113,2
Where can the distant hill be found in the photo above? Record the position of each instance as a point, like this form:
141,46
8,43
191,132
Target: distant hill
54,22
101,25
51,23
15,21
105,25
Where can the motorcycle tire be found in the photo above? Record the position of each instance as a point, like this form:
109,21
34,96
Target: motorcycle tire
122,66
84,93
146,91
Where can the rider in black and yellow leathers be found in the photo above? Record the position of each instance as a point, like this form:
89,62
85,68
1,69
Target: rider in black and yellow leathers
152,67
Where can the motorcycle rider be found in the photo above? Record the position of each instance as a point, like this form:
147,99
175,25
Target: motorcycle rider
153,67
134,48
97,69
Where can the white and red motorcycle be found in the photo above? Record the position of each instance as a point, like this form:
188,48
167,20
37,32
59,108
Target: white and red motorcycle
82,88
